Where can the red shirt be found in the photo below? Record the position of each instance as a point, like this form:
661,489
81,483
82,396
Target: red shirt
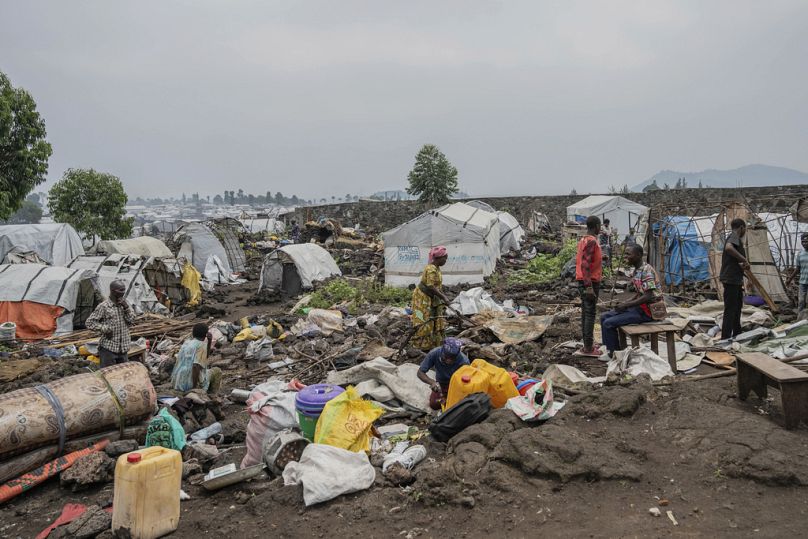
589,261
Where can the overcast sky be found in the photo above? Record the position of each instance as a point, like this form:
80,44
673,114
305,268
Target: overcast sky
321,98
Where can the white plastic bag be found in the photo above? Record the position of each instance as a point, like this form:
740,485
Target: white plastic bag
327,472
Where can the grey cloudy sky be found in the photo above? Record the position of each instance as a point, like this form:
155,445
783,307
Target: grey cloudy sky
324,98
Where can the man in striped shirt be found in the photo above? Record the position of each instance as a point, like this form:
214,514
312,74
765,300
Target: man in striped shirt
112,319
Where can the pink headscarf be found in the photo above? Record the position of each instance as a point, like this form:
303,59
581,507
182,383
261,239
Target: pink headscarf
436,252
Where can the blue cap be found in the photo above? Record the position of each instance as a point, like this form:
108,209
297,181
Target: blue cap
452,346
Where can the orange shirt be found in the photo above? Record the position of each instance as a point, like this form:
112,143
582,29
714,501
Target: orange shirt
588,261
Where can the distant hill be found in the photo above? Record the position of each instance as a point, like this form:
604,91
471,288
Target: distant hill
748,176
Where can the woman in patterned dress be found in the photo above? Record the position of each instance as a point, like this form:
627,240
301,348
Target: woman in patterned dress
429,303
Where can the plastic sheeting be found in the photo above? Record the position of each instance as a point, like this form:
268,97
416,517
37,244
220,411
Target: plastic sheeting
56,244
198,244
511,233
312,262
621,212
684,252
784,237
470,235
127,269
270,226
143,246
49,285
327,472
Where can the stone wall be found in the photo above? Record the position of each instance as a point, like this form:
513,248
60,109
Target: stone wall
380,216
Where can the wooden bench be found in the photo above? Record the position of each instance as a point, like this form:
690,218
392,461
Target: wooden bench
757,371
652,331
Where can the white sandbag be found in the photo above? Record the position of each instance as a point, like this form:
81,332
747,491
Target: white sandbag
259,350
325,320
636,361
327,472
272,409
402,380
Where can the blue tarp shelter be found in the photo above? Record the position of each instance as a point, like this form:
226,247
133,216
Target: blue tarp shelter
685,253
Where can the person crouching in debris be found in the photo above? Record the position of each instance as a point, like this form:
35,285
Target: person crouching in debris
636,310
588,273
733,264
112,319
429,303
191,370
445,360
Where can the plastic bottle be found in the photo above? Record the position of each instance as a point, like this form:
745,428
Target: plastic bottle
465,381
404,455
203,434
146,501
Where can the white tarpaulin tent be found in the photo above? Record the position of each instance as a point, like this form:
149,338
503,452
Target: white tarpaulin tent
470,235
144,246
55,243
511,233
256,225
127,269
198,244
784,237
621,212
47,285
294,267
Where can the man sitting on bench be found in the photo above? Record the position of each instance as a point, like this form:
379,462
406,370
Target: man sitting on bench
635,310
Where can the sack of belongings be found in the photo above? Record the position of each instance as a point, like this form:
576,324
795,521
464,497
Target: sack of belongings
346,421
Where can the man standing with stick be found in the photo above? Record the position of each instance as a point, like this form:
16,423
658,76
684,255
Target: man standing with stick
733,264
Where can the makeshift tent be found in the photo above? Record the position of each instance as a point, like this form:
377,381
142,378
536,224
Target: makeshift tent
784,237
621,212
198,244
56,243
758,252
511,233
679,251
43,300
144,246
127,269
18,255
539,222
228,231
471,236
259,226
292,268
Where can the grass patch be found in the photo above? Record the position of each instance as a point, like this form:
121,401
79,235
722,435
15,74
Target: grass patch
341,291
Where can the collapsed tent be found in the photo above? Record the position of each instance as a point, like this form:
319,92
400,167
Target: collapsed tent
758,252
621,212
127,269
43,300
784,237
470,235
293,268
538,222
145,246
511,233
56,244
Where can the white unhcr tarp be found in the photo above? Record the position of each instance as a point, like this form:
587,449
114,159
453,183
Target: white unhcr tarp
146,246
470,235
312,262
511,233
56,243
621,212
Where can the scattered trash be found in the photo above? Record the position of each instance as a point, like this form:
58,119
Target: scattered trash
327,472
230,475
346,421
636,361
537,404
672,519
655,512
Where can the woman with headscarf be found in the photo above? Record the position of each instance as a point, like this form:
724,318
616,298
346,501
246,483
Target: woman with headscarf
429,303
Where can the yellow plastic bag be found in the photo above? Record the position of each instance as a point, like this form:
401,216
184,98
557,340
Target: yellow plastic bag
346,421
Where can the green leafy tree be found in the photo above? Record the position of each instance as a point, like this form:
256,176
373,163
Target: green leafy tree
279,199
29,214
433,179
92,202
24,152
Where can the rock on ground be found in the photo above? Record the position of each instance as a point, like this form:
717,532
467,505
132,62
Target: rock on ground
91,523
89,470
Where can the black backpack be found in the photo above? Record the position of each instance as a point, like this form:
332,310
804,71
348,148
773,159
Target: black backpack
469,411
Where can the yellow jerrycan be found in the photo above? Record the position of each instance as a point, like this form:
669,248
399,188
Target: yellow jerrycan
500,385
146,501
465,381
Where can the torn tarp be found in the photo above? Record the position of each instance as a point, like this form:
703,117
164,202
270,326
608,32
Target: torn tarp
518,329
473,301
636,361
401,380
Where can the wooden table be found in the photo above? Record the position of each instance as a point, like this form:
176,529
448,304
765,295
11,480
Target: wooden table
652,330
757,371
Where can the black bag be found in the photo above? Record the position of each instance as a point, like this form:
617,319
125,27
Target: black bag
467,412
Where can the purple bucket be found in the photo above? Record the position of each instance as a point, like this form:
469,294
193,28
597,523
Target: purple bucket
311,399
